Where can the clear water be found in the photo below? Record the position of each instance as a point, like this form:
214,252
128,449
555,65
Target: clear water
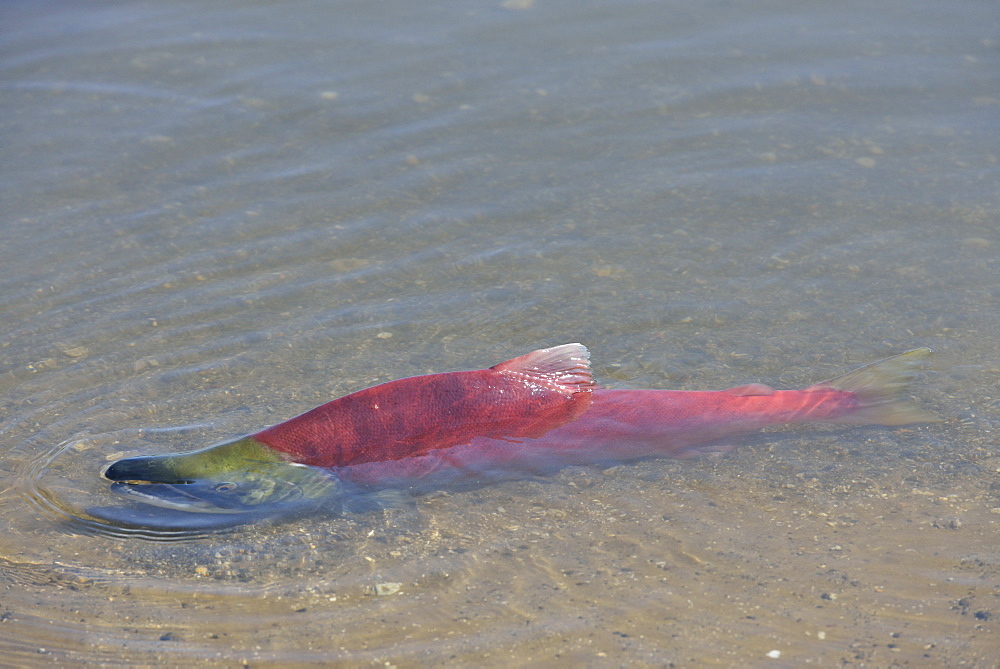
216,215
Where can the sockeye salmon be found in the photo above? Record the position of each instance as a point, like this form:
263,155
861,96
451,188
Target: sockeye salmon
530,414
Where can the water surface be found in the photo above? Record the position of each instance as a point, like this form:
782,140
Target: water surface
218,215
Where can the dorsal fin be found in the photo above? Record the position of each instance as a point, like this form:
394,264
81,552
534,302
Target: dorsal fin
751,390
563,368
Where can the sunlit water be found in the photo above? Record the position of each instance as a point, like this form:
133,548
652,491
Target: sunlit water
218,215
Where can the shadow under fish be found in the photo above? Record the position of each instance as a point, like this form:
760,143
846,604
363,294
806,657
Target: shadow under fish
526,416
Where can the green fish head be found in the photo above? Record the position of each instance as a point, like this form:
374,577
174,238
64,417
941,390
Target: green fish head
243,476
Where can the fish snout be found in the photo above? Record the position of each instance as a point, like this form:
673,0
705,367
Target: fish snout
143,469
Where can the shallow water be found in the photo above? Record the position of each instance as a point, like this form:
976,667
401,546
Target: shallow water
218,215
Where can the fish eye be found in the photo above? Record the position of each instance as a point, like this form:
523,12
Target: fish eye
224,487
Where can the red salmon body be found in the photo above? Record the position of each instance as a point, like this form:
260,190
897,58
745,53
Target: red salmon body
520,398
542,410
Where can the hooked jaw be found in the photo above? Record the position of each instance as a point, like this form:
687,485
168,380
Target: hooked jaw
155,469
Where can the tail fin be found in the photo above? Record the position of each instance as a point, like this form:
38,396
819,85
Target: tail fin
880,389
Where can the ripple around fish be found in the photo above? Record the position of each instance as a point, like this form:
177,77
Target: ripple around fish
46,485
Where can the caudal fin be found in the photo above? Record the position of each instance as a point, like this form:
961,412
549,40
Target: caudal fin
881,389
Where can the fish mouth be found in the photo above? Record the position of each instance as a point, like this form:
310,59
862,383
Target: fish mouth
189,496
150,481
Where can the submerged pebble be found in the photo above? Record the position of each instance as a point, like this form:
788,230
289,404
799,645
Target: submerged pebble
384,589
